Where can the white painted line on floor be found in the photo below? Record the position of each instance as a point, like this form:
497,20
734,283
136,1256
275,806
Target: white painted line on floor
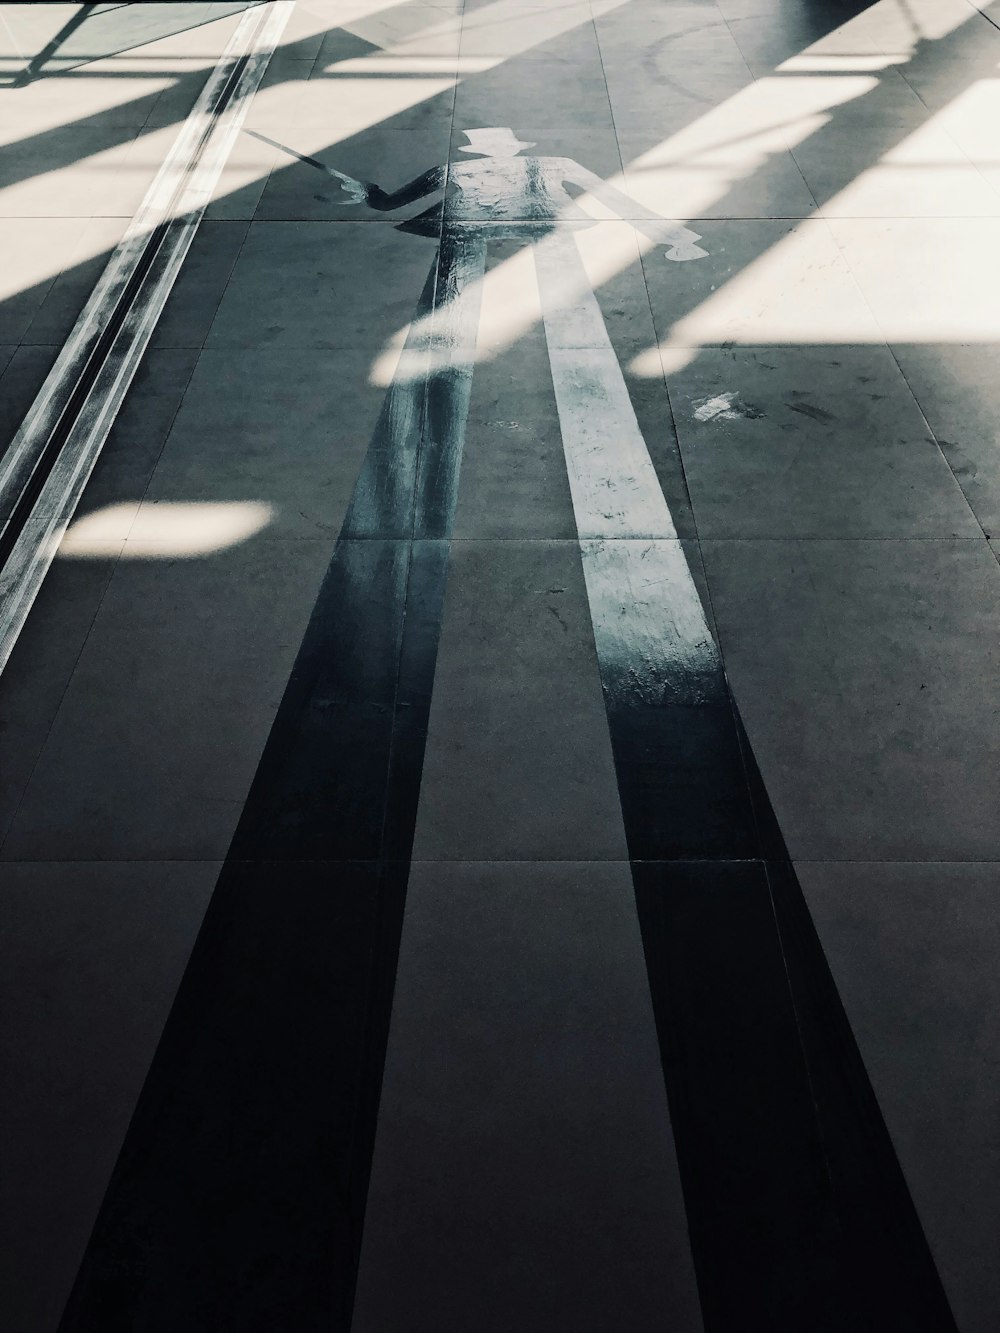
652,637
176,200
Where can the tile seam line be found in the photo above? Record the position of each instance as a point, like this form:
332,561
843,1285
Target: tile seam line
199,349
99,360
62,699
6,862
937,444
536,539
575,539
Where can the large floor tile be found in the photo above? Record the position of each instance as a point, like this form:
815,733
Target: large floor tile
811,442
81,97
762,282
894,170
136,439
945,73
201,284
790,31
91,958
970,118
913,950
713,168
523,1064
518,763
58,41
308,284
957,389
623,27
657,57
22,377
35,251
44,658
82,265
537,96
388,158
352,93
864,671
954,298
513,479
78,171
500,32
401,30
162,726
272,429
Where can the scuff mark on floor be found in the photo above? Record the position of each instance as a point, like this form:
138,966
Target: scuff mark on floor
724,407
808,410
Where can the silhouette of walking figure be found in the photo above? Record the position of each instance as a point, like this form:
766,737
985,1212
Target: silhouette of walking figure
500,196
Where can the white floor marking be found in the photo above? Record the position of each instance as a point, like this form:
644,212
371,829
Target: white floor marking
653,641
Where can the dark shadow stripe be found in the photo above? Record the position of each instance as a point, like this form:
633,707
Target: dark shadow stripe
37,63
238,1199
763,1234
799,1212
320,790
886,1252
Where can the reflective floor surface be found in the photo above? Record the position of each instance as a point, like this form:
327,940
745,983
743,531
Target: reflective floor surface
499,786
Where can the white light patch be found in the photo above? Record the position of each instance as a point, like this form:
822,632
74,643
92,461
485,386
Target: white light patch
410,65
927,174
927,279
54,102
892,26
109,183
841,64
687,174
35,249
798,291
657,361
164,530
927,20
972,120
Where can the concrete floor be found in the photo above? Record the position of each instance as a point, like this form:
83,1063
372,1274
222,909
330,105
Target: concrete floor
559,695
